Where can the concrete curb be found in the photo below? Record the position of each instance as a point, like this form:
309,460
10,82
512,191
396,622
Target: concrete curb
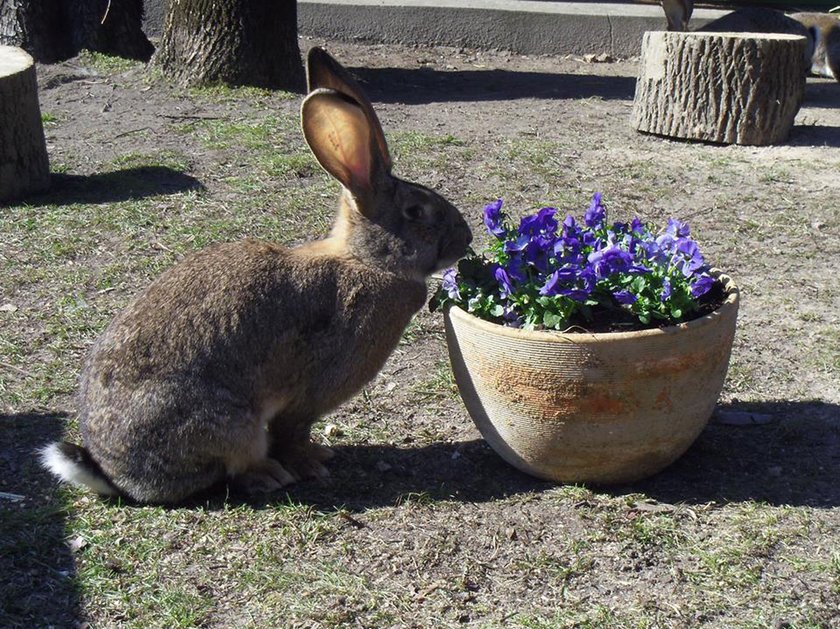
522,26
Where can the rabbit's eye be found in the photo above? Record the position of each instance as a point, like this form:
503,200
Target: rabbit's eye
414,212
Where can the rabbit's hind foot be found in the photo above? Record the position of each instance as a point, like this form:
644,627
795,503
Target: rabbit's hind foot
263,477
303,465
320,452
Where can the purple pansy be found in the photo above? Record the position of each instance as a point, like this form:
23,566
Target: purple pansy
595,214
450,284
493,219
505,285
702,285
574,266
624,297
666,290
543,222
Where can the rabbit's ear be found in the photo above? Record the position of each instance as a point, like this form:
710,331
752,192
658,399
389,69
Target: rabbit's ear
339,133
322,71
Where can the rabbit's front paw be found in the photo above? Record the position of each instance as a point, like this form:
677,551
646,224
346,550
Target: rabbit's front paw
264,477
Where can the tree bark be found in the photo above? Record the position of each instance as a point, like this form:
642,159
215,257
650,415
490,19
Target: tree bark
53,30
24,166
235,42
730,88
36,27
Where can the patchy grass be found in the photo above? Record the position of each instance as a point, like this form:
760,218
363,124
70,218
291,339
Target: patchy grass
107,64
421,523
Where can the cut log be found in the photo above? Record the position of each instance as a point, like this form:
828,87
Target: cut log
730,88
24,166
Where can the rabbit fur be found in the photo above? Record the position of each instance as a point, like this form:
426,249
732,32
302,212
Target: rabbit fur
220,367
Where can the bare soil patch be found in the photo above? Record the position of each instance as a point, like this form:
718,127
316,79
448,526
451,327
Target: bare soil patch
421,524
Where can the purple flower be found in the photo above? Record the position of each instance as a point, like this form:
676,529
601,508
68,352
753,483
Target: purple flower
702,285
666,243
516,269
493,219
624,297
666,290
505,285
690,259
537,252
511,318
518,244
553,284
543,222
636,226
450,284
609,260
596,214
676,229
570,282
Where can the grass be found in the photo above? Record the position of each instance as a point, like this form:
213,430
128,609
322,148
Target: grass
107,64
421,524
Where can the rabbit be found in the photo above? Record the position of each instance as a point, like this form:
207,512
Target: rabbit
678,13
824,30
219,368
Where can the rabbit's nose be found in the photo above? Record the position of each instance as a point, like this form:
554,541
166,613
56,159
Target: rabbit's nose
466,231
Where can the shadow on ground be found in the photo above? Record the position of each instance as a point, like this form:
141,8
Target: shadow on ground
794,460
36,564
822,93
814,135
119,185
426,85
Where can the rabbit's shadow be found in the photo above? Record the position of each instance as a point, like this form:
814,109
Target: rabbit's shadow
35,560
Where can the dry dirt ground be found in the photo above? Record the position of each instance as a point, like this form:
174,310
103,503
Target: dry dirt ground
421,524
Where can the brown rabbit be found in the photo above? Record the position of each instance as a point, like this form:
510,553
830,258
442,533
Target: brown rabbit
678,13
825,31
220,367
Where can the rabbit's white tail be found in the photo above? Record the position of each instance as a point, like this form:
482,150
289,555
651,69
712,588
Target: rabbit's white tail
73,464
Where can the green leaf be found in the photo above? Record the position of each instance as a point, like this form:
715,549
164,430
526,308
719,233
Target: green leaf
552,320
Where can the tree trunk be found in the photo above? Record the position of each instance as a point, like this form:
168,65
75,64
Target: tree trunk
114,27
236,42
24,166
719,87
53,30
36,27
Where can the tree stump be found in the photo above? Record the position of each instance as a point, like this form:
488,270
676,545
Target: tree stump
24,166
731,88
53,30
233,42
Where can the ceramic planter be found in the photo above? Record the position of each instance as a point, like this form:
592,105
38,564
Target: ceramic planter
599,408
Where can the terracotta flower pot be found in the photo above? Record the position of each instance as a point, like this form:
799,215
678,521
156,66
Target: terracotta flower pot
598,408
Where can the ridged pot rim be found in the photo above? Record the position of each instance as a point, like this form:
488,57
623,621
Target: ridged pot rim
729,305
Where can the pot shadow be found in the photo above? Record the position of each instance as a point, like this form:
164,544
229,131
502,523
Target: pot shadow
112,187
36,563
794,459
426,85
